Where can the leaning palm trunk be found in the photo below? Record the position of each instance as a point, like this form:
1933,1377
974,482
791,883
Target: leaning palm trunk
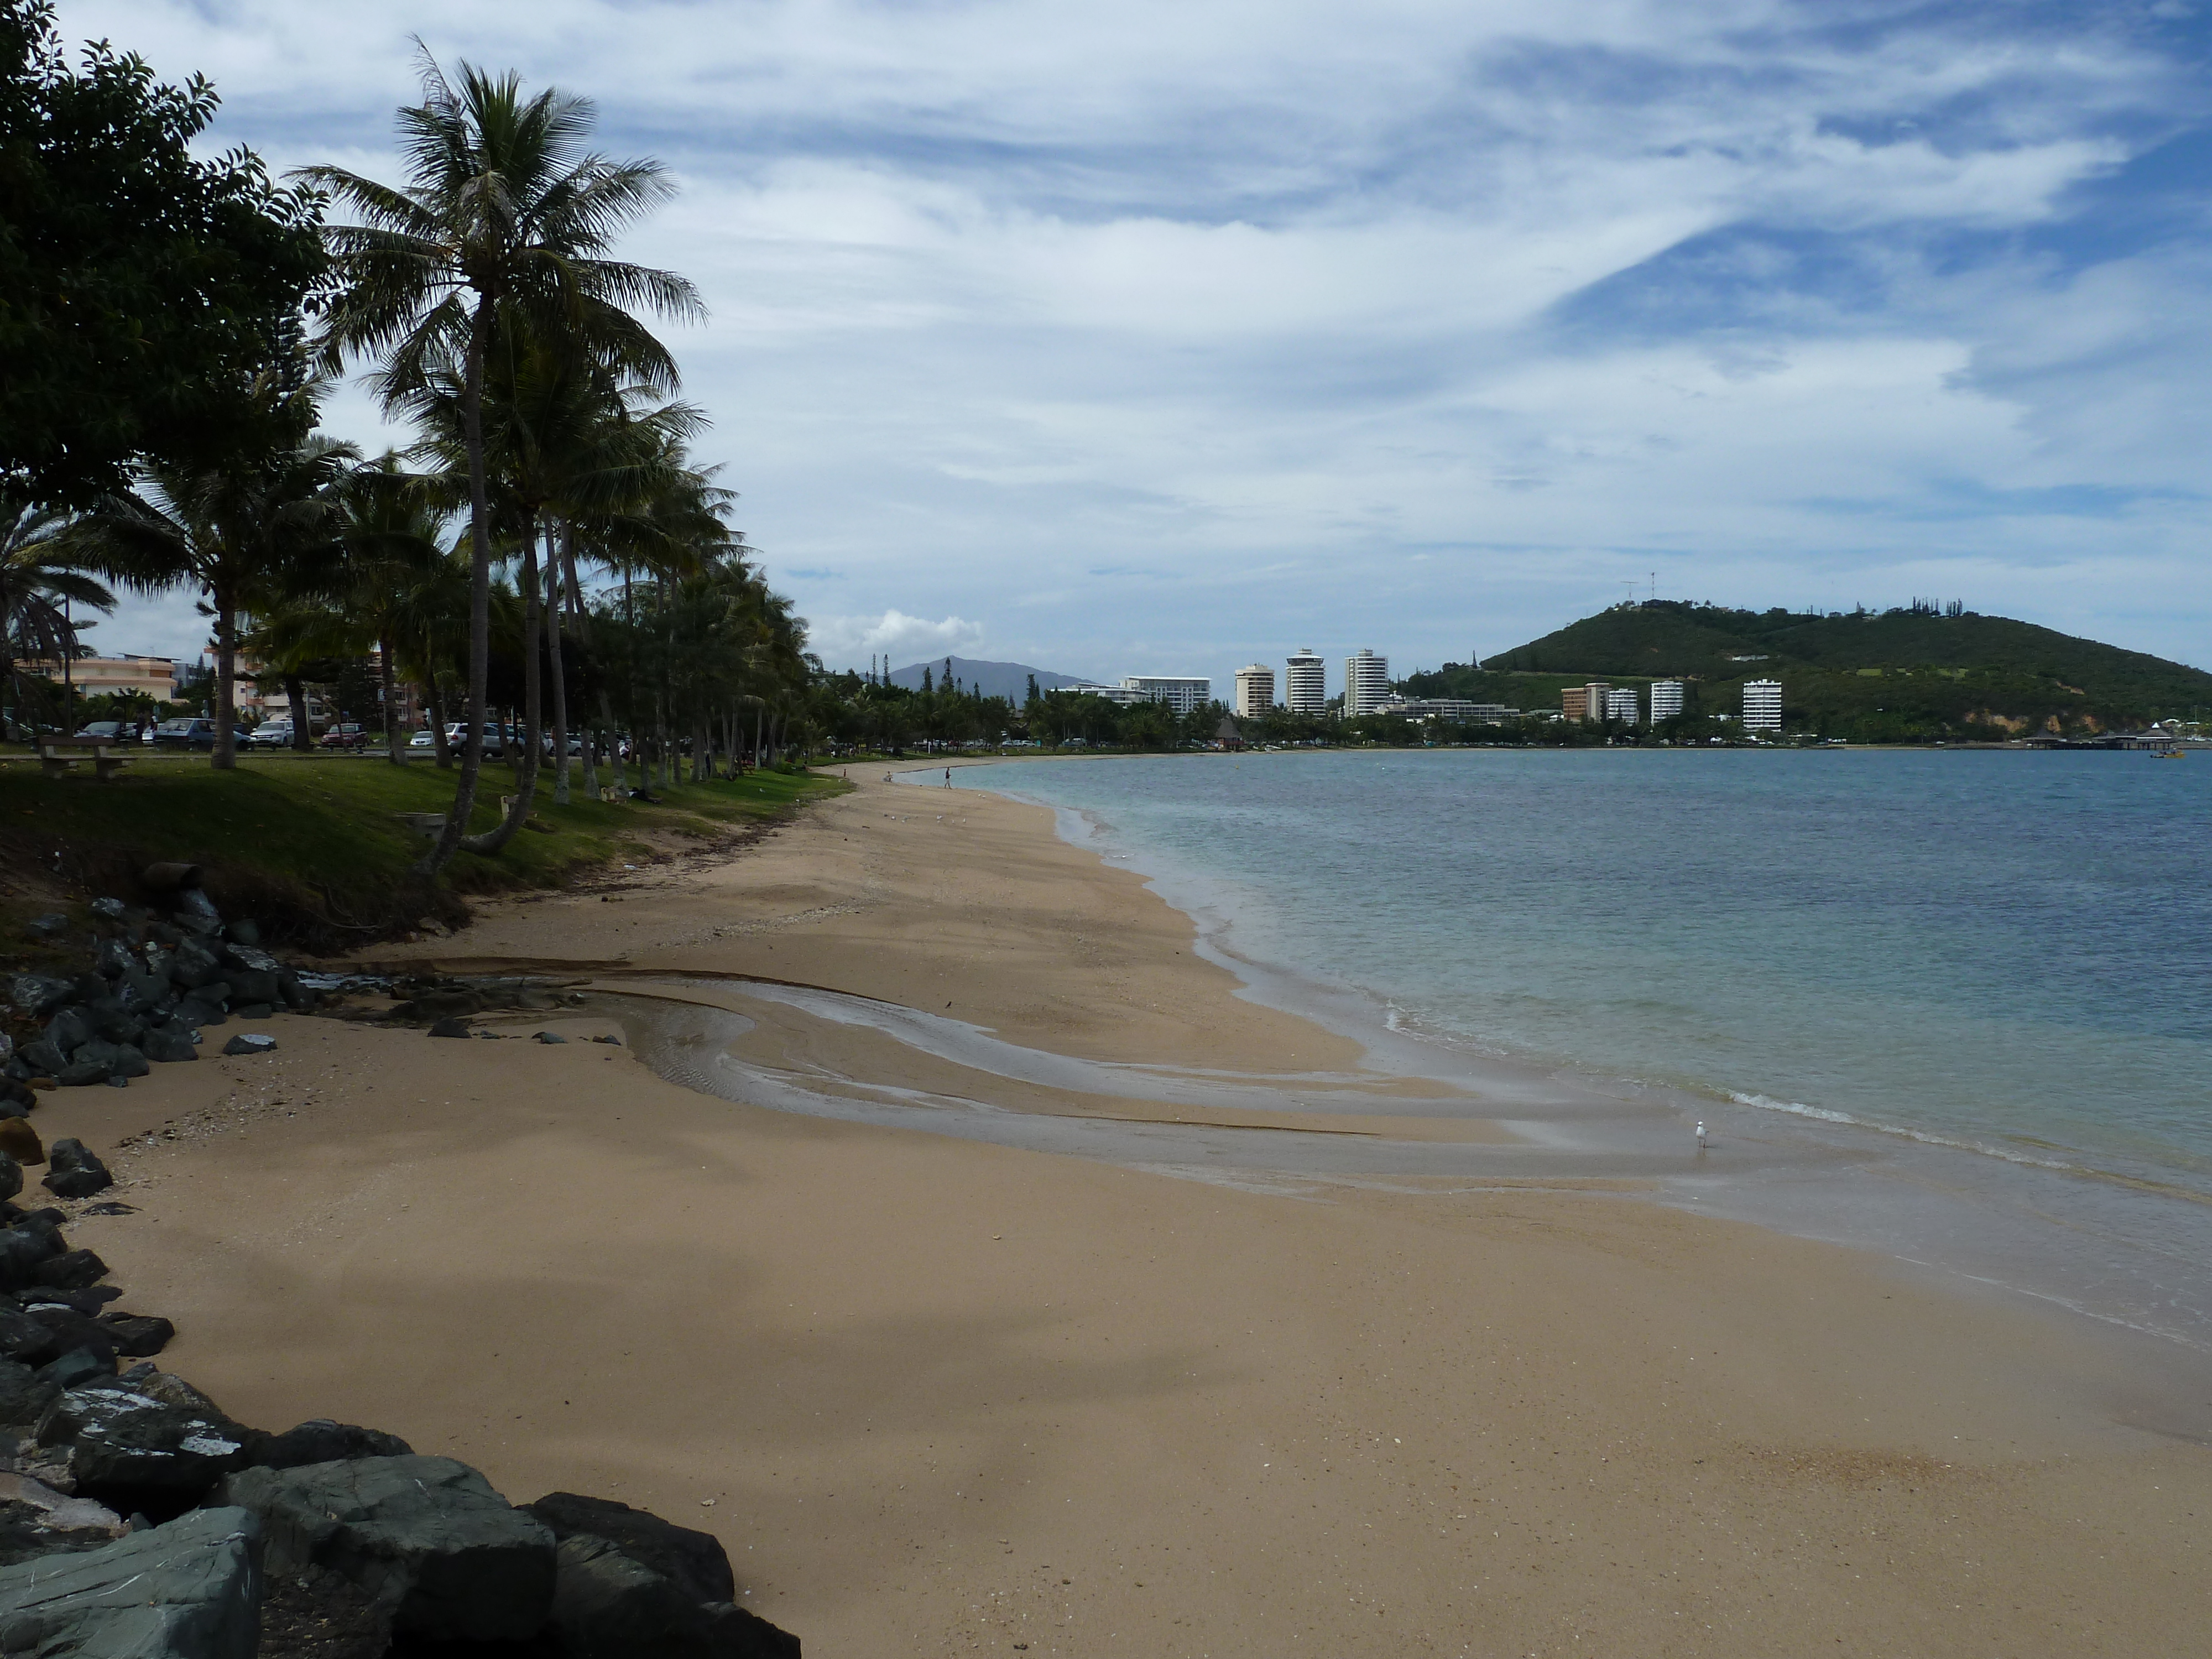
392,750
464,790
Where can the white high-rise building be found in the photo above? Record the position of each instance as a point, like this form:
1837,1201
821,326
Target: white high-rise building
1305,689
1183,693
1255,691
1622,703
1762,705
1366,682
1666,699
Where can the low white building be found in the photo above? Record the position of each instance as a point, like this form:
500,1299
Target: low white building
1305,690
1762,705
1461,711
1366,682
1184,693
1666,699
1255,691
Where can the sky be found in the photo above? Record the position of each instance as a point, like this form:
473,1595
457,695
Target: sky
1166,338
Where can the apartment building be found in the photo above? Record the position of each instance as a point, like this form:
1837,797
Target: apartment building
1183,693
1622,703
1666,699
1762,705
1305,690
1255,691
1366,682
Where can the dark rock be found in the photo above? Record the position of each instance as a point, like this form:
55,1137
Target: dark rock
82,1074
140,991
191,1590
42,1059
161,933
547,1037
608,1606
616,1041
296,994
35,1520
245,957
35,995
111,958
122,1059
108,910
52,924
319,1440
138,1336
23,1248
254,1010
75,1172
245,932
427,1537
166,1045
11,1176
193,964
77,1368
252,985
23,1397
250,1042
72,1270
71,1029
88,987
452,1027
24,1339
694,1562
126,1447
72,1330
318,1615
46,1222
193,905
87,1299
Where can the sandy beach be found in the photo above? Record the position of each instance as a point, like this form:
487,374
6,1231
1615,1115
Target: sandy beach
942,1396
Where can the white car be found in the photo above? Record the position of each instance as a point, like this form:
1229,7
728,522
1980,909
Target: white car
272,734
423,740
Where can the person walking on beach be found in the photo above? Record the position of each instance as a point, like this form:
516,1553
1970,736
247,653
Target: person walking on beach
948,777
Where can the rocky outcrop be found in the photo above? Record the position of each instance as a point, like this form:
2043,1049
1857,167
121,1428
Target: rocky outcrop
440,1552
191,1590
74,1170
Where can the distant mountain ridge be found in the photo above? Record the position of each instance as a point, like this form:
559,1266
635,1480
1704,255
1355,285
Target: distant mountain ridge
1009,680
1914,674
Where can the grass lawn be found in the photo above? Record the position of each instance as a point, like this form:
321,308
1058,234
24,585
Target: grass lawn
318,844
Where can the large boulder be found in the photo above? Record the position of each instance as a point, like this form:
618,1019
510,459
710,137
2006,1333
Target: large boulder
631,1582
168,1045
191,1590
138,1336
319,1440
72,1270
35,995
74,1170
23,1248
71,1029
194,965
20,1141
124,1446
35,1520
440,1552
27,1340
121,1058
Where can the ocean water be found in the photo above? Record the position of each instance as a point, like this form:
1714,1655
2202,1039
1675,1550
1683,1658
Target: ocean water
2007,957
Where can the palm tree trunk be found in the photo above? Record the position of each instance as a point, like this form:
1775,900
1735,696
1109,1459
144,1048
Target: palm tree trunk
526,771
443,749
224,755
295,697
553,562
392,750
465,789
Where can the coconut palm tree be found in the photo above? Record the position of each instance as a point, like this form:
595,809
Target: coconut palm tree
504,214
41,577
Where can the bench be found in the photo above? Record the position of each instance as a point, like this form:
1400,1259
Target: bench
57,764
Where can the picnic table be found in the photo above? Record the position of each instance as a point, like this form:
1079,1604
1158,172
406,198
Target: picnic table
57,764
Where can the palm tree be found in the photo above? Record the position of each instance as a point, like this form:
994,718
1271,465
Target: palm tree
504,214
41,576
250,534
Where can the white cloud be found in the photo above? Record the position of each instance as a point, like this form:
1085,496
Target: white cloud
849,641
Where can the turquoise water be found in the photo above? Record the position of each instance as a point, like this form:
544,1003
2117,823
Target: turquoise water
2000,951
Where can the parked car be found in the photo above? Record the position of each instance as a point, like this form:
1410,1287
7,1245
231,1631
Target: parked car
272,734
349,735
494,739
112,729
190,732
424,739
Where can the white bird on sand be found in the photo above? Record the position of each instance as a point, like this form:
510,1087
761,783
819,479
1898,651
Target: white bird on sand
1701,1134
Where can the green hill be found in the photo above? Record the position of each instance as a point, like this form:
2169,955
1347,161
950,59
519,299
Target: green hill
1915,674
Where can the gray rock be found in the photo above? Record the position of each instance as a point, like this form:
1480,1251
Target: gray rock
71,1029
438,1550
72,1331
11,1176
108,910
250,1042
82,1074
319,1440
241,955
193,905
87,1299
194,965
124,1444
547,1037
121,1058
35,995
23,1396
167,1045
450,1026
695,1561
35,1520
111,958
24,1339
138,1336
78,1368
42,1059
52,924
6,1048
70,1156
191,1590
23,1248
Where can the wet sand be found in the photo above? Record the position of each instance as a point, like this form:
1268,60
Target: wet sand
947,1396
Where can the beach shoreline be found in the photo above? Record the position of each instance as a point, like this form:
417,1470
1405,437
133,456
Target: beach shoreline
947,1395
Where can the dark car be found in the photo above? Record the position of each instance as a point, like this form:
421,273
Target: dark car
190,732
110,729
348,736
